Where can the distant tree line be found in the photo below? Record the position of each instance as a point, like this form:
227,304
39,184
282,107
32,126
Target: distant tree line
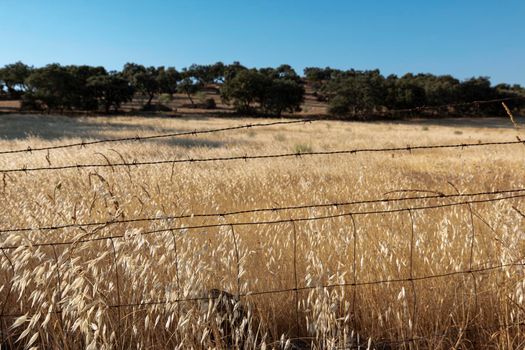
360,93
270,91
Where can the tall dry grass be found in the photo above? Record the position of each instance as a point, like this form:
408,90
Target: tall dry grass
66,296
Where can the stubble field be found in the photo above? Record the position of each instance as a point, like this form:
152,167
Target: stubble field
428,273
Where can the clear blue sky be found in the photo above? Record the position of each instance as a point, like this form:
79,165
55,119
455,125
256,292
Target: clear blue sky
465,38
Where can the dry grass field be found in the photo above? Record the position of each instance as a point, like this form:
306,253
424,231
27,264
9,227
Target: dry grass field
121,293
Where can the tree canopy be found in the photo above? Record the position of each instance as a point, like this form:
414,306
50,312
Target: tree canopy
366,93
110,90
268,90
12,79
271,90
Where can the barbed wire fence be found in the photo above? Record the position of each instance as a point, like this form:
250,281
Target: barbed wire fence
434,201
83,144
487,267
262,156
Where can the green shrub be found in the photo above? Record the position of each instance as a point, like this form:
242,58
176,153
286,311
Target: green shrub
302,148
165,99
209,103
339,106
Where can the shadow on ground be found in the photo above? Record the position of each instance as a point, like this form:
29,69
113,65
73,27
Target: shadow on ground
50,128
467,122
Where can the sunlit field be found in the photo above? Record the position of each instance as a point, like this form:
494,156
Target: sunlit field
327,277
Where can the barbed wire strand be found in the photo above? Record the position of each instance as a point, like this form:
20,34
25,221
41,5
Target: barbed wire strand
408,148
413,317
176,263
260,210
337,285
82,144
265,222
354,271
295,278
152,137
117,285
320,286
56,303
144,304
237,262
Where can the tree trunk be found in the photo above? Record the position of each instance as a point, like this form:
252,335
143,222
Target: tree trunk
150,99
191,100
